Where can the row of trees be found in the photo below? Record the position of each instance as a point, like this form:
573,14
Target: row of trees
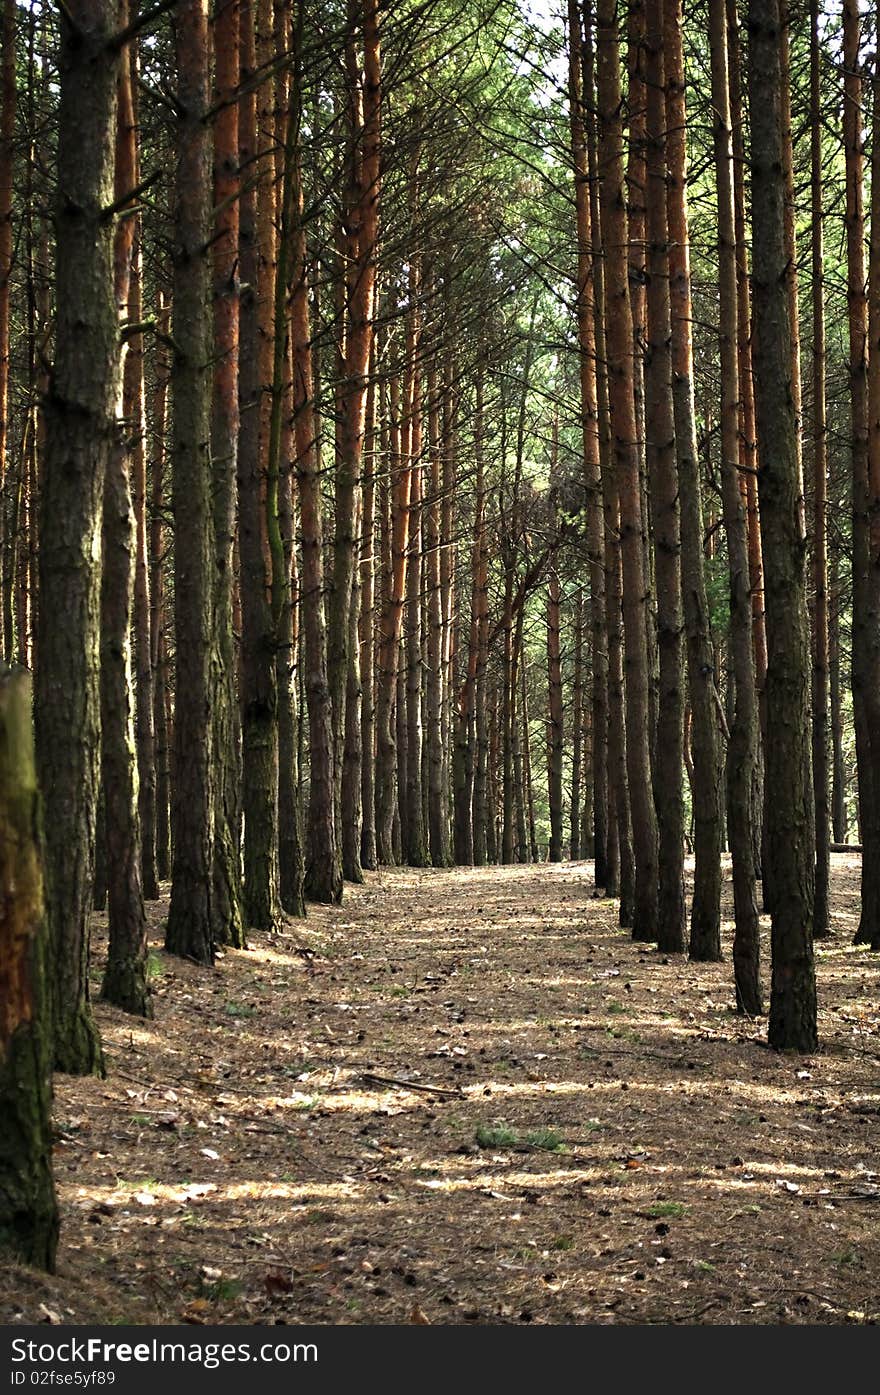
420,474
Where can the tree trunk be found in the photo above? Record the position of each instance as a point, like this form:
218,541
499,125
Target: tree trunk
705,934
7,155
838,771
81,434
857,302
626,464
821,925
374,453
577,731
414,830
225,425
590,280
158,656
259,689
28,1208
361,224
663,478
790,845
323,873
125,977
190,929
554,714
869,924
742,747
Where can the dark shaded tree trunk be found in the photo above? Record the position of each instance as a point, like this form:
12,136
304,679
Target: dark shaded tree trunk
742,746
821,925
790,843
577,732
857,303
225,425
554,714
190,929
81,434
705,930
663,478
619,332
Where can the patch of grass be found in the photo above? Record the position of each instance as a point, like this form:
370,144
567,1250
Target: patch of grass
155,964
848,1258
496,1136
234,1009
142,1120
400,990
658,1210
562,1242
501,1135
614,1006
221,1290
706,1267
547,1139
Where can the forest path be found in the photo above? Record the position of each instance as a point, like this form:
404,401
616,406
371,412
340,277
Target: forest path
612,1143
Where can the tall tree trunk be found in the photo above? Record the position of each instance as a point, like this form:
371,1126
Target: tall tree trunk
663,478
438,814
374,452
838,772
554,713
590,277
225,425
705,933
790,844
259,689
361,223
742,747
125,977
821,925
28,1208
626,464
81,434
748,454
857,303
390,626
158,656
7,154
869,924
528,785
190,921
414,830
323,873
577,731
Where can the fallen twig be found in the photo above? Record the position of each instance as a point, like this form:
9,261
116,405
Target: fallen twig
410,1084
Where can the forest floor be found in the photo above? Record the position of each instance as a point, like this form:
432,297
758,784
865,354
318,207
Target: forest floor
468,1097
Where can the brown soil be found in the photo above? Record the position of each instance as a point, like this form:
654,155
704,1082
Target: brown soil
652,1160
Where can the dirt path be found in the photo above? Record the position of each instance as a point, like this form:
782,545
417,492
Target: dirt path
607,1142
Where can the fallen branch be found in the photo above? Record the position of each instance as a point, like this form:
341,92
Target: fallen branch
410,1084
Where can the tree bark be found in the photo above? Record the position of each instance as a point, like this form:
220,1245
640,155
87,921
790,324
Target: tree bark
663,479
624,428
705,930
225,425
190,930
790,844
742,747
28,1207
81,433
821,924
